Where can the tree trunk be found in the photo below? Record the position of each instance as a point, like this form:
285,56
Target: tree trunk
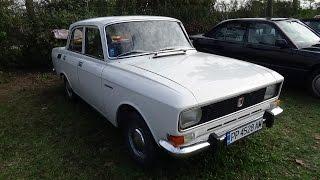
269,8
30,9
295,5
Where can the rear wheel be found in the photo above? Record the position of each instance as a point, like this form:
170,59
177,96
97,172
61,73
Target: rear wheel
314,84
139,140
68,90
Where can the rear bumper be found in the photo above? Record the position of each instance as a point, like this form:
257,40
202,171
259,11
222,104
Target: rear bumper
198,147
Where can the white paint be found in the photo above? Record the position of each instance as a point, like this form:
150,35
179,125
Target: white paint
160,88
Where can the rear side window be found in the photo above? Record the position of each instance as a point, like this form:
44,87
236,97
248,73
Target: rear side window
93,45
235,32
76,40
231,32
262,33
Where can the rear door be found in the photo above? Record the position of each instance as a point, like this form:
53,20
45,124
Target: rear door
70,59
226,39
90,68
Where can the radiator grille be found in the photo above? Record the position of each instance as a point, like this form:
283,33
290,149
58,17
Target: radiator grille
225,107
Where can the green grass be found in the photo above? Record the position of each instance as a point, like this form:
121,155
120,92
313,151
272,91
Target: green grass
43,136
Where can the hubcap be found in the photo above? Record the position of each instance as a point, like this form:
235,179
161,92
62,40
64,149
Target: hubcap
137,141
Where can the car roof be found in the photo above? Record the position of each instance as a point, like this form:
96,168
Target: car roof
311,19
102,21
259,19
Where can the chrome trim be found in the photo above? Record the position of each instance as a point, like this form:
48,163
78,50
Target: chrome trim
183,151
275,111
223,117
192,149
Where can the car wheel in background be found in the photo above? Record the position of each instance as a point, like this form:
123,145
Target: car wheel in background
139,140
314,83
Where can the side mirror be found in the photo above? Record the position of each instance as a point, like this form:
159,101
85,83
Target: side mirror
282,43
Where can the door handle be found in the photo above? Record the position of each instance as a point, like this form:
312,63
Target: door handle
80,63
106,85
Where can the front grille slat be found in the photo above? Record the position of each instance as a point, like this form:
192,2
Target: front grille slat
225,107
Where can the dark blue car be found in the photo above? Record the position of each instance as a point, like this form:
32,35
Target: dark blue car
286,45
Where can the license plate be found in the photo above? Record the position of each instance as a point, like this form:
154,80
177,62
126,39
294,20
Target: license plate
243,131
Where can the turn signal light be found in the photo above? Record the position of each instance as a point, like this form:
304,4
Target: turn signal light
277,102
176,140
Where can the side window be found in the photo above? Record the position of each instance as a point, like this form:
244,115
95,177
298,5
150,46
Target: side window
93,45
262,33
76,40
218,33
235,32
315,25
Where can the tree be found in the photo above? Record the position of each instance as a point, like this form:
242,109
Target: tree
295,7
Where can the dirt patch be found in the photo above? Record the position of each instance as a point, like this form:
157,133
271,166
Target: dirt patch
25,81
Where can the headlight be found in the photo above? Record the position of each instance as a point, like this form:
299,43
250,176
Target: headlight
271,92
190,118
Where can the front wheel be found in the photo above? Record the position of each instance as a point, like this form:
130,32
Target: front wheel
315,84
139,140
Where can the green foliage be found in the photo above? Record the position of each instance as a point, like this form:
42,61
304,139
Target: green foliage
26,37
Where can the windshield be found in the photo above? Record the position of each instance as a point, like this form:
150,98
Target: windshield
299,33
145,37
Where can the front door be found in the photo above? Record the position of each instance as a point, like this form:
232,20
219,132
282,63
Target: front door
261,46
90,68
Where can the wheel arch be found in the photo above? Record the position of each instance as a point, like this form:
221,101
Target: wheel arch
315,67
64,75
124,109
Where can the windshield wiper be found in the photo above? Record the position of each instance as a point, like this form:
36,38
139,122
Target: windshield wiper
133,52
174,49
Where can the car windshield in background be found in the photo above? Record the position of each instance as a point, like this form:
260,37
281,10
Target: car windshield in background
301,35
145,37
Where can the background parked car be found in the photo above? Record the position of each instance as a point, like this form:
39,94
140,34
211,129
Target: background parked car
313,23
285,45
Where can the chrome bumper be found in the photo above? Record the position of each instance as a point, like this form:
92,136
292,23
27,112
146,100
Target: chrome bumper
195,148
183,151
275,111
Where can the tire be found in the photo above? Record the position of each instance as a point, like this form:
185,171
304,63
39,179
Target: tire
314,83
139,140
69,93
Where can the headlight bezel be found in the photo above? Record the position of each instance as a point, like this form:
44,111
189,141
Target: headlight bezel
271,91
192,121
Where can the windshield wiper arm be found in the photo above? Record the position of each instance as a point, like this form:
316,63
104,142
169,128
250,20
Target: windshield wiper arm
133,52
174,49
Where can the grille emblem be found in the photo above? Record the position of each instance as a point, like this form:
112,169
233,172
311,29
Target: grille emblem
240,102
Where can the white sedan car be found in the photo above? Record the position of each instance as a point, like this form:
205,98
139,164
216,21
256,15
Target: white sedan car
143,74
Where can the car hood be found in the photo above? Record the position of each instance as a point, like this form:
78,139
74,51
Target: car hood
210,77
314,49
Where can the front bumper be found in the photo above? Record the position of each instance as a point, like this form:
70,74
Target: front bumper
195,148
